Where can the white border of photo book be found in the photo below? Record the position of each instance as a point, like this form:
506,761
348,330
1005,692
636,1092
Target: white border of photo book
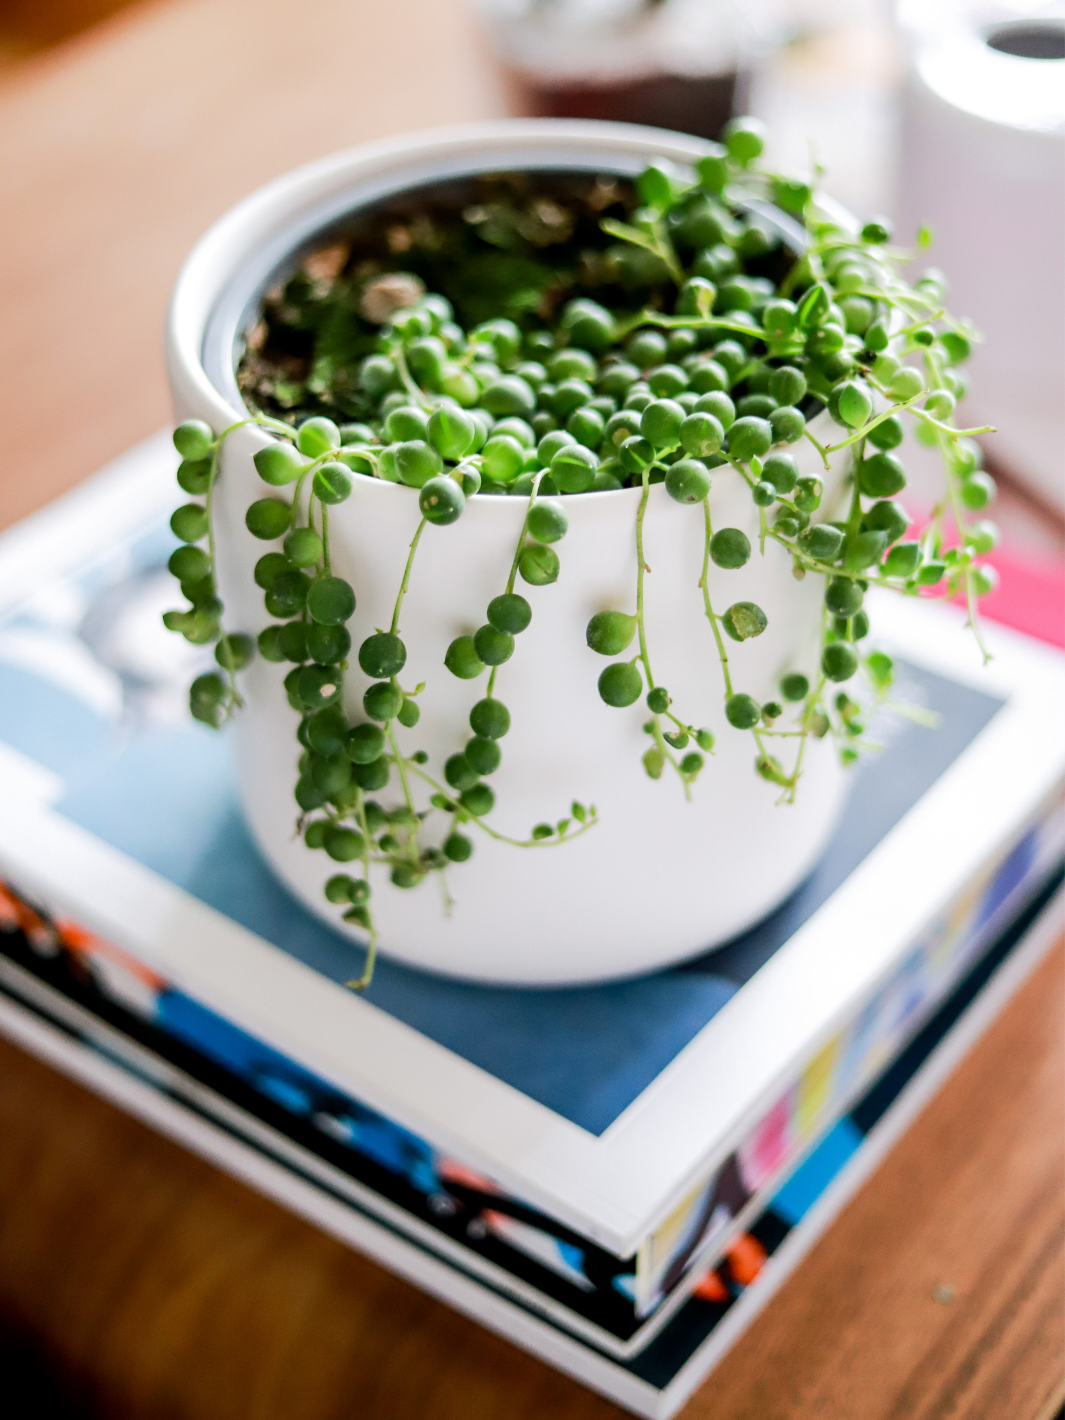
615,1188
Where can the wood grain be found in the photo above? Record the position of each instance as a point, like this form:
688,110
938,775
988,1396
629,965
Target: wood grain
27,25
970,1199
163,1290
120,148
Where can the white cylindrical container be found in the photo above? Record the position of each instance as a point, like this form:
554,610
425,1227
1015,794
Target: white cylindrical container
983,164
658,879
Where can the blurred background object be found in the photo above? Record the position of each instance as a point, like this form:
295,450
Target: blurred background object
829,96
856,86
682,64
29,26
982,162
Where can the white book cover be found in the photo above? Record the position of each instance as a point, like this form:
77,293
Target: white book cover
624,1132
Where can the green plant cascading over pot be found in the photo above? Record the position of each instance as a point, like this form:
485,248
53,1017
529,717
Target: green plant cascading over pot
541,345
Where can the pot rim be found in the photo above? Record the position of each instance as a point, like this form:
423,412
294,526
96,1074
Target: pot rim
235,261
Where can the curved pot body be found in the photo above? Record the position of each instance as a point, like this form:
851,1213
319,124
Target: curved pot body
657,879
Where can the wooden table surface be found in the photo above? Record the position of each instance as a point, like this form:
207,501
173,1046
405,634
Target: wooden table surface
156,1287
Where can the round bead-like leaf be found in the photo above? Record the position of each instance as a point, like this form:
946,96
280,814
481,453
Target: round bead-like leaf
331,601
610,632
730,548
743,620
462,659
621,684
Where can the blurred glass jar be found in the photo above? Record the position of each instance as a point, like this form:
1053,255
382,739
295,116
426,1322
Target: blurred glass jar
679,64
982,156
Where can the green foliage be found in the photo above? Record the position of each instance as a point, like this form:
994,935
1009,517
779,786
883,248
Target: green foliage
549,338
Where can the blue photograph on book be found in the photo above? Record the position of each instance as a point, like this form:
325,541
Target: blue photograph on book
106,686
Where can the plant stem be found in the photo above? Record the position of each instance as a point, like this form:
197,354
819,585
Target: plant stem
401,767
819,447
663,749
650,317
327,567
296,495
360,983
261,421
406,575
664,249
950,432
710,614
750,482
518,550
854,517
641,570
521,536
864,430
811,706
447,793
408,383
656,241
209,502
227,654
944,436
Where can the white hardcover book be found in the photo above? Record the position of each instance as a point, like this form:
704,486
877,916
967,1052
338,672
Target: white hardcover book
589,1152
656,1382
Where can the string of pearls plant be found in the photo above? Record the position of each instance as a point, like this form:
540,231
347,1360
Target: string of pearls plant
713,374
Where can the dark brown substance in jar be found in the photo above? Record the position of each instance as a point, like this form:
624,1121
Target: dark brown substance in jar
699,105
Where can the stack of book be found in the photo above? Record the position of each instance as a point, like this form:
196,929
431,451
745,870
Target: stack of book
617,1177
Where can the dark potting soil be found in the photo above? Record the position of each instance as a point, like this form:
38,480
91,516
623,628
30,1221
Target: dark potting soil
514,245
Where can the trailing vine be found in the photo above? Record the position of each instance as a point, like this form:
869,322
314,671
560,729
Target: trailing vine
718,346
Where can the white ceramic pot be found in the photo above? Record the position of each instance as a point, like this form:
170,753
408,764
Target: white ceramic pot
658,879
